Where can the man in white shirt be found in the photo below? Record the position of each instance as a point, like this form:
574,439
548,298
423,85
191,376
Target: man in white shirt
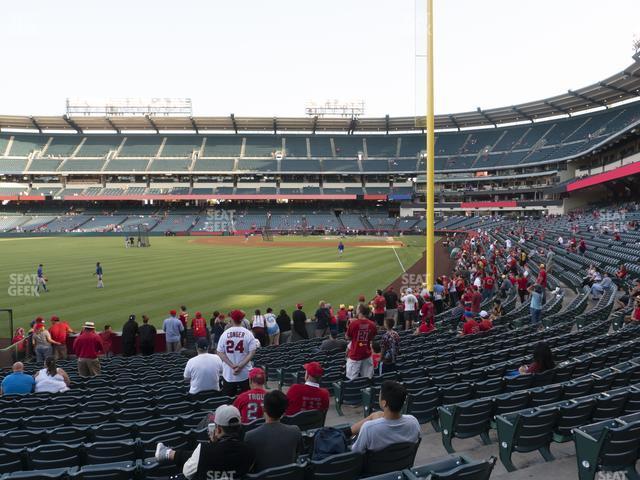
382,429
508,243
410,305
236,348
203,371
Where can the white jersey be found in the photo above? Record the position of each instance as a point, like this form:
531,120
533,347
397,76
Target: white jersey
236,343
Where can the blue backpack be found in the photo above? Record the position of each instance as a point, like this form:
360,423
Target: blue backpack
328,441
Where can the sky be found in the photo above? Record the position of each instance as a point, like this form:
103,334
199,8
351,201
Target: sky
269,58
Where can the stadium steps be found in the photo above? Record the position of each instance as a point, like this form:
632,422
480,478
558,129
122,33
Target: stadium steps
161,148
77,149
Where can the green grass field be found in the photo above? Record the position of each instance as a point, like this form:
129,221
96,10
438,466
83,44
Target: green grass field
177,270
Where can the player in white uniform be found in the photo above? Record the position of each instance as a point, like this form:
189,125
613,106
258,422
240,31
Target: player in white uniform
236,348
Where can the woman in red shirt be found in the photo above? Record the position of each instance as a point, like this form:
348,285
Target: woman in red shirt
542,360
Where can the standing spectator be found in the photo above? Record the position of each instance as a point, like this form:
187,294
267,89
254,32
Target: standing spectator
542,281
322,318
59,331
258,328
199,327
476,300
582,246
236,348
271,325
361,333
284,324
20,343
51,379
389,427
275,443
536,303
218,325
389,347
203,371
439,292
505,287
107,336
129,333
250,403
184,319
379,308
488,285
42,341
549,260
147,334
225,456
87,347
342,318
300,322
523,285
391,298
173,329
309,395
17,382
410,306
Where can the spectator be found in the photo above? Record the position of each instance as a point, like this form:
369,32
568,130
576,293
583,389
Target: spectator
343,318
439,292
536,304
635,315
271,324
488,285
470,326
391,298
250,403
275,443
485,322
322,318
147,333
308,396
410,306
427,311
498,310
379,308
300,322
388,427
389,347
20,343
218,325
17,382
203,371
225,456
598,288
129,333
375,355
360,333
107,336
42,341
523,286
199,327
476,300
505,287
542,281
184,320
333,344
258,329
284,324
59,331
51,379
549,260
87,347
236,349
542,360
173,329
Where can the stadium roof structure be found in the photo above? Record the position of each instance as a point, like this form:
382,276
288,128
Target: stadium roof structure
622,86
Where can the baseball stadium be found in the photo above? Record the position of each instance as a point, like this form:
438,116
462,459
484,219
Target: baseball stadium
329,295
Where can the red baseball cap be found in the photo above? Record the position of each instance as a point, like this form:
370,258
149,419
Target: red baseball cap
299,305
314,369
237,315
172,312
198,314
257,375
55,318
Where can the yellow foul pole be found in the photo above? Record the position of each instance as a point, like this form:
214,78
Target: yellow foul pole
430,191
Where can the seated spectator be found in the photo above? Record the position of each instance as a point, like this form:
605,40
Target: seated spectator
225,456
308,396
635,315
388,427
389,346
470,326
204,370
51,378
598,288
542,360
497,310
275,443
485,322
17,382
333,344
375,355
250,403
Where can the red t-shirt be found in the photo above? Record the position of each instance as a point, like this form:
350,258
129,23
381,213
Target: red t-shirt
488,283
467,301
522,283
485,325
183,317
470,327
106,338
379,304
636,314
426,327
376,359
476,301
88,345
58,332
306,397
250,404
542,278
199,327
361,332
427,311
